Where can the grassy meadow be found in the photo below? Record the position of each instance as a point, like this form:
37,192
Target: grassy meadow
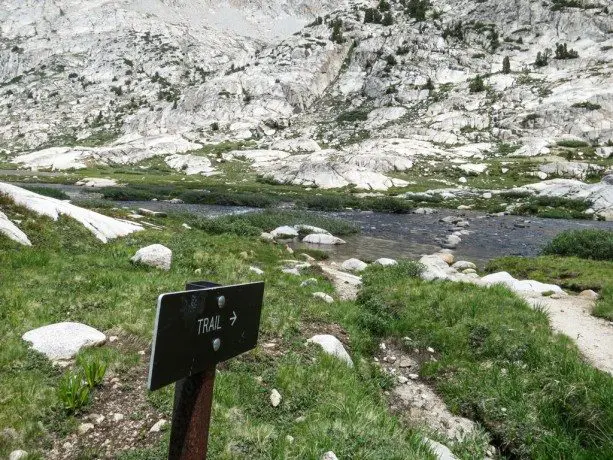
497,361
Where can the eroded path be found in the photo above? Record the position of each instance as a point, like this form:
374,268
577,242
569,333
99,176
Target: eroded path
571,315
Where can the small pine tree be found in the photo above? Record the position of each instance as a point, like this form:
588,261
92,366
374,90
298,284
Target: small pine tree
337,32
542,59
369,16
383,5
417,9
388,19
390,60
429,85
506,65
476,85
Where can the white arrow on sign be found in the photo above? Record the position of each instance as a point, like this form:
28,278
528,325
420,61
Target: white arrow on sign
233,318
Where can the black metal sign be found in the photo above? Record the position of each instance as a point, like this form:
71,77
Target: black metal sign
200,327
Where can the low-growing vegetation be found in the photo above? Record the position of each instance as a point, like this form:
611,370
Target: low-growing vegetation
497,362
570,273
588,244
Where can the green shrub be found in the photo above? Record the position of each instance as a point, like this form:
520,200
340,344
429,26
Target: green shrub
417,9
573,144
587,105
506,65
542,59
562,52
476,85
588,244
353,115
73,392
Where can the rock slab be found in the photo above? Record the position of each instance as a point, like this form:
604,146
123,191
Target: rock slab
62,341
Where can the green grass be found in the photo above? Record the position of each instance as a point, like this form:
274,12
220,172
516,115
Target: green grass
68,275
254,223
47,191
604,304
588,244
498,362
570,273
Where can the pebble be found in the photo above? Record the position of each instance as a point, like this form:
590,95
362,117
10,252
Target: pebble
430,350
308,282
413,376
275,398
18,454
117,417
158,426
402,379
329,456
85,427
96,419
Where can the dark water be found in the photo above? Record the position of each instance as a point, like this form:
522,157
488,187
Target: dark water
404,235
412,235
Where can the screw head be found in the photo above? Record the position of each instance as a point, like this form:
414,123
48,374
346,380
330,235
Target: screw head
221,301
216,344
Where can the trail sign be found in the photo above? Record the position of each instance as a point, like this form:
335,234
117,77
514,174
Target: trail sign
194,330
200,327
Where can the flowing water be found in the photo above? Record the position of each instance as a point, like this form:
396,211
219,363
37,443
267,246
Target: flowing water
405,235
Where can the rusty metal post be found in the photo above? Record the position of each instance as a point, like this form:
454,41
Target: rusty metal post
191,417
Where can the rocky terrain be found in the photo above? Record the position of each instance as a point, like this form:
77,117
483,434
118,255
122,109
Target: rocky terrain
468,97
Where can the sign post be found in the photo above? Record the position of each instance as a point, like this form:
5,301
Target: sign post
194,330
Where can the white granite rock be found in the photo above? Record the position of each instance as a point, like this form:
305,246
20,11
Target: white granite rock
318,238
385,262
332,346
284,232
354,265
103,227
11,230
155,255
323,296
62,341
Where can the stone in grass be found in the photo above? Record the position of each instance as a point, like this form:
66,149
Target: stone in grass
385,261
155,255
62,341
85,427
354,265
158,426
332,346
323,296
463,265
284,232
256,270
309,282
275,398
589,294
18,455
329,456
319,238
440,451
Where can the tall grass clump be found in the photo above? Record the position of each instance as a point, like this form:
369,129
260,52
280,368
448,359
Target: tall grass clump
587,244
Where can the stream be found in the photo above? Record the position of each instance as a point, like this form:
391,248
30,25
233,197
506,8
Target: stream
400,236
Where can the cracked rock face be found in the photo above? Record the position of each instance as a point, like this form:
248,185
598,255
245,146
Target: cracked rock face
119,82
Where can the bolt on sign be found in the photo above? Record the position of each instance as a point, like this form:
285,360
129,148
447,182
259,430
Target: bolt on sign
194,330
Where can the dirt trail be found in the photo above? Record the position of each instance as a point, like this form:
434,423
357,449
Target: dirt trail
571,315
